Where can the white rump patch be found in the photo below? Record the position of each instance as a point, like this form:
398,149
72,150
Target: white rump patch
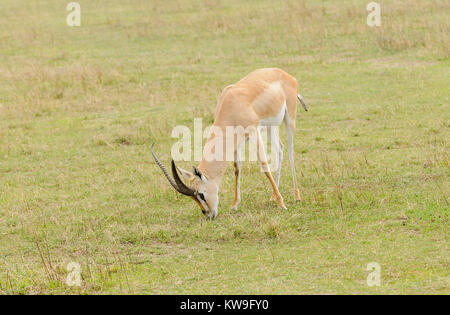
275,120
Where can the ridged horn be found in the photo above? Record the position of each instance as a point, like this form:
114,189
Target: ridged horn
182,189
185,190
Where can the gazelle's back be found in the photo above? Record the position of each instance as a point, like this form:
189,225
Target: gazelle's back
262,94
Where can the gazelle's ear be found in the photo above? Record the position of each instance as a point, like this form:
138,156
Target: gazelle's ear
184,173
199,174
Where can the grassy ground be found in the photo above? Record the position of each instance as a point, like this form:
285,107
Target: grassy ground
79,108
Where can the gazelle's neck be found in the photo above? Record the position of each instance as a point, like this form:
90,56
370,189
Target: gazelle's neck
214,167
213,170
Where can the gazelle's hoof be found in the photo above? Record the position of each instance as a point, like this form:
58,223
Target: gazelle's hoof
297,195
234,206
280,202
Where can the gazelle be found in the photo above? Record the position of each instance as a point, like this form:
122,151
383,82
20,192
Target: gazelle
265,97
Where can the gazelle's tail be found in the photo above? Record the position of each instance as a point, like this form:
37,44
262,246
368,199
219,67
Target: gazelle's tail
300,98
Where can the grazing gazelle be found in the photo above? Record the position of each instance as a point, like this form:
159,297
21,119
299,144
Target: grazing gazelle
265,97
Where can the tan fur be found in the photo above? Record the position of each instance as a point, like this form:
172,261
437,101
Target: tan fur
259,95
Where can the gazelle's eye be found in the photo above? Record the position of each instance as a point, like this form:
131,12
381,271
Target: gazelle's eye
202,197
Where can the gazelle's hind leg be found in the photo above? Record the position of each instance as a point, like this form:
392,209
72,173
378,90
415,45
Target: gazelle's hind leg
265,167
290,131
237,173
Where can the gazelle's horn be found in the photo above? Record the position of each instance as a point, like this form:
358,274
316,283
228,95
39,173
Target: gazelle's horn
185,190
182,190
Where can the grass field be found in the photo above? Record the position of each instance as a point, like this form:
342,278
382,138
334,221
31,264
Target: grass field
80,107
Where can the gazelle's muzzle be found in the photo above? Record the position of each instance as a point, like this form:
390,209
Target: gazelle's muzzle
212,214
206,210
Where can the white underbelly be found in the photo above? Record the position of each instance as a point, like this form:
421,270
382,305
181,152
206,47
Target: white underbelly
275,120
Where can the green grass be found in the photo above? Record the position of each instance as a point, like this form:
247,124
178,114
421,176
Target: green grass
80,107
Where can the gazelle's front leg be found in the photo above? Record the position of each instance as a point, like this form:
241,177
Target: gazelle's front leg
237,173
277,147
265,166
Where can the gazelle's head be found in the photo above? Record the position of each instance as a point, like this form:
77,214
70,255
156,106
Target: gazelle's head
203,191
